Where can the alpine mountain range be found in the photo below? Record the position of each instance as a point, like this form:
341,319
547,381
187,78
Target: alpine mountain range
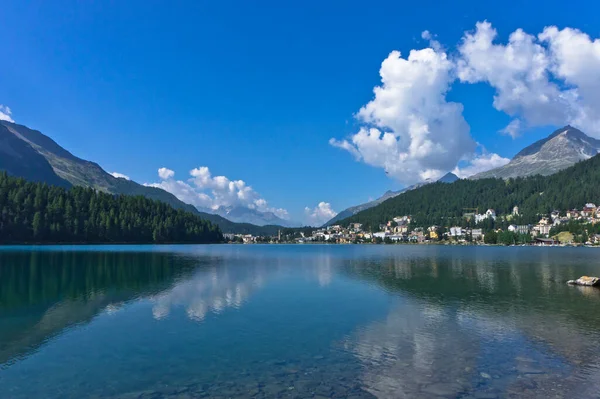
30,154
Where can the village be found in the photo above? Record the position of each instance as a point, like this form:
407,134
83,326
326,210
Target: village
401,230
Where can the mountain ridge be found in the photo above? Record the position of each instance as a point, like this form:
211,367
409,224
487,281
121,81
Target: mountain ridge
445,204
19,158
561,149
30,154
353,210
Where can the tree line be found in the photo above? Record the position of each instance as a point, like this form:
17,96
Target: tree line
444,204
37,213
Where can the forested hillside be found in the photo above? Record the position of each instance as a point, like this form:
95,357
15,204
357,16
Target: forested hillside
34,156
444,204
36,212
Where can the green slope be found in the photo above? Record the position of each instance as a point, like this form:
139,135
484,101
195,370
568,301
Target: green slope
18,158
80,172
443,204
37,157
36,212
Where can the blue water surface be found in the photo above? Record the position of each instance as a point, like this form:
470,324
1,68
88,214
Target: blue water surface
297,321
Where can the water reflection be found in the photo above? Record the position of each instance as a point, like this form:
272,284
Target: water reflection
44,293
487,325
213,289
299,321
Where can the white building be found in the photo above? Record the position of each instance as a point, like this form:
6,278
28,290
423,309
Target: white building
523,229
542,229
477,234
489,214
456,231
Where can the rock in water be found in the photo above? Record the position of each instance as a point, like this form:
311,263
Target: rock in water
586,281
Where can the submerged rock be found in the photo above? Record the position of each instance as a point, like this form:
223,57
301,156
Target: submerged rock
586,281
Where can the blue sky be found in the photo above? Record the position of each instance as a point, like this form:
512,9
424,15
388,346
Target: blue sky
254,91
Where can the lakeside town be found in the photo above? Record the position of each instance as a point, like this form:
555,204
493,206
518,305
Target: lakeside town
570,227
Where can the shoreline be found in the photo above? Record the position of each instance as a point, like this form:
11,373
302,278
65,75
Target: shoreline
444,244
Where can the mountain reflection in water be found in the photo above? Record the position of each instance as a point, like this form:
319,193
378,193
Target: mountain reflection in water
297,321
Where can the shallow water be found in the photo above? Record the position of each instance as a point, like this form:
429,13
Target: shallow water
298,321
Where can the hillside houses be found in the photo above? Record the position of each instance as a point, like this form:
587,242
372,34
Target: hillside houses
401,229
474,229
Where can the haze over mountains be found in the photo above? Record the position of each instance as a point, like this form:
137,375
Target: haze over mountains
243,214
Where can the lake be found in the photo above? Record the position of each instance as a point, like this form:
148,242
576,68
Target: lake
298,321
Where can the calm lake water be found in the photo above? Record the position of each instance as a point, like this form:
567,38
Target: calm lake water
298,321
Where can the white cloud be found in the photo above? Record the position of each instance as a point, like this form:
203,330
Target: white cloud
480,163
576,59
319,214
211,192
5,114
513,129
551,79
409,129
165,173
120,175
434,44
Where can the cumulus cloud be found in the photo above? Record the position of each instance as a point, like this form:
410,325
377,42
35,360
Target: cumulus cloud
165,173
5,114
120,175
575,58
319,214
409,128
212,192
549,79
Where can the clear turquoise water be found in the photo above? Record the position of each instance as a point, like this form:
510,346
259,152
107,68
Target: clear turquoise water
298,321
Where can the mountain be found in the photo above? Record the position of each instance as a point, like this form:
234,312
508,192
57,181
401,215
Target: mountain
563,148
346,213
18,158
71,170
448,178
34,156
242,214
445,204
